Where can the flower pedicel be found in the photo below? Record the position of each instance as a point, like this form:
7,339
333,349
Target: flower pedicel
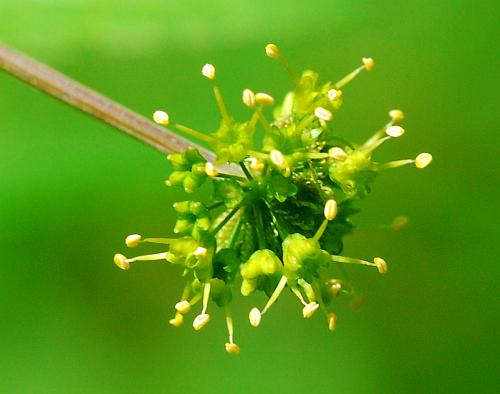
280,223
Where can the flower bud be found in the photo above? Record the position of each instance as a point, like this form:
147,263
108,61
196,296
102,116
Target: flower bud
161,117
208,71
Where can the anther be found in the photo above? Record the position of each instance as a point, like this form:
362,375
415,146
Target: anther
277,158
210,170
200,251
255,317
332,321
381,264
232,349
161,117
208,71
394,131
133,240
310,309
323,114
334,94
183,307
331,210
177,320
396,115
337,153
368,63
264,99
273,51
248,98
423,160
121,262
201,321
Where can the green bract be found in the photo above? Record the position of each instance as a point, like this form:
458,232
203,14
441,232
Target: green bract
281,201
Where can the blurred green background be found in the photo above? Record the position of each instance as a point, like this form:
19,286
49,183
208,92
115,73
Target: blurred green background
71,188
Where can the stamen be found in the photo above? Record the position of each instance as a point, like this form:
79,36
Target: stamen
121,262
396,163
423,160
203,318
133,240
377,262
206,296
276,294
248,98
231,347
298,294
368,65
337,153
161,117
255,317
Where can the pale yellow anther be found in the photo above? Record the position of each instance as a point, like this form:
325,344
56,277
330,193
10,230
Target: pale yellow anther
210,169
399,222
334,94
177,320
396,115
332,321
200,251
256,164
335,287
133,240
208,71
368,63
337,153
323,114
423,160
394,131
277,158
248,98
183,307
200,321
121,262
264,99
331,209
381,264
273,51
255,317
310,309
161,117
232,349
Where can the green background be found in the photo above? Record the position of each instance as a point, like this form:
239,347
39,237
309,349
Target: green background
71,188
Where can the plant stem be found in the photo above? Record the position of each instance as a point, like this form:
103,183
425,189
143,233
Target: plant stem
87,100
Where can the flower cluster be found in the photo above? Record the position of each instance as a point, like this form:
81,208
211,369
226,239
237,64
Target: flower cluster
278,221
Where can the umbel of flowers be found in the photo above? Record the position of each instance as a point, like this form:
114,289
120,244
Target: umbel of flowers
279,222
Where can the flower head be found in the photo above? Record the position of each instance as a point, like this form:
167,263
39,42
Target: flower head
281,202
